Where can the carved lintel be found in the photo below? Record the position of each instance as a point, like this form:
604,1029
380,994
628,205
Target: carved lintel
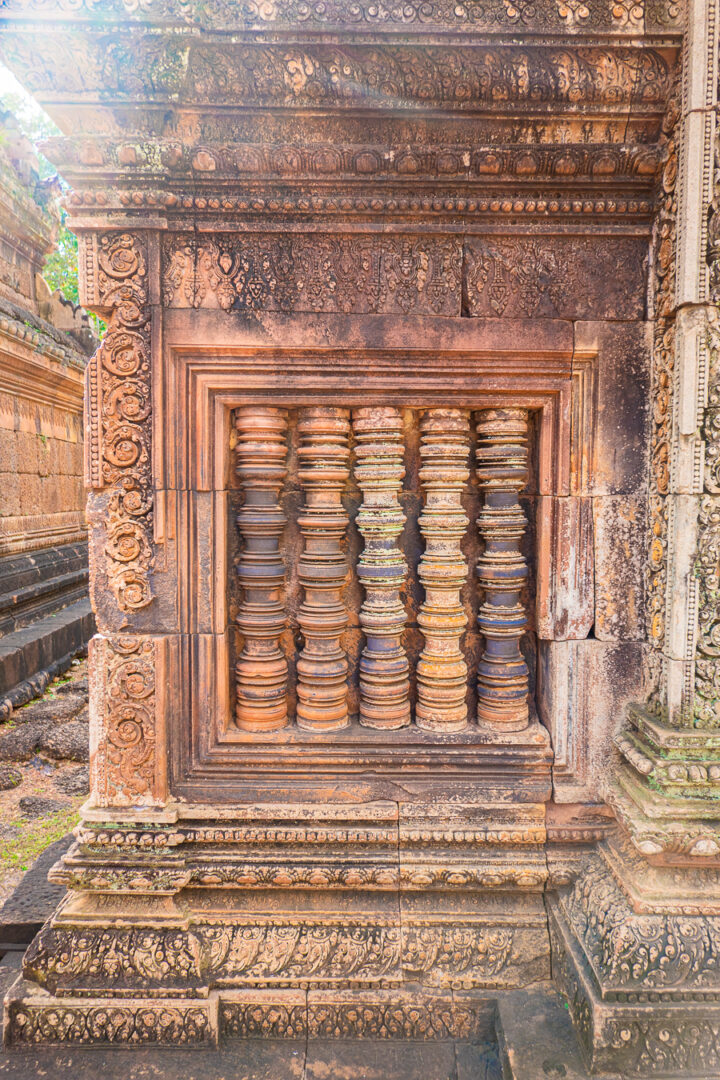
322,666
441,669
379,470
261,671
502,470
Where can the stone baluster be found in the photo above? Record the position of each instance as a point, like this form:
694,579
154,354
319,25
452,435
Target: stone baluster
502,471
379,470
261,671
441,669
322,666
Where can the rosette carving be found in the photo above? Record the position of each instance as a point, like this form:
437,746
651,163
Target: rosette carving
379,471
502,471
261,671
441,669
322,666
119,398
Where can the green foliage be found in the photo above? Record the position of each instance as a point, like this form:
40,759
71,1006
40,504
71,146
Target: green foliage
20,852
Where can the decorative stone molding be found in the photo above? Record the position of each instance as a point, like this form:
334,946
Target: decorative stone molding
381,569
261,670
314,273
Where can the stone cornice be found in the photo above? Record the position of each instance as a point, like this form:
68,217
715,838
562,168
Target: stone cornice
392,16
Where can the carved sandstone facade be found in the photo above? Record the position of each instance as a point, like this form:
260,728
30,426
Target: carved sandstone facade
402,520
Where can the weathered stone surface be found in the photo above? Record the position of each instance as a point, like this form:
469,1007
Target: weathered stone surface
39,806
74,782
308,249
9,777
21,742
67,741
51,711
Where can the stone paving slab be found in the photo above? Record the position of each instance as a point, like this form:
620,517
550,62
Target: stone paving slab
34,899
263,1059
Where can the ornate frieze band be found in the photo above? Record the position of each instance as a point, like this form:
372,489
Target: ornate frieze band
113,272
367,76
348,274
411,15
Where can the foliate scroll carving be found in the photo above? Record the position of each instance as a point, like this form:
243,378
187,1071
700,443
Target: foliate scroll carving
261,670
707,659
707,560
664,243
635,953
119,406
502,471
125,767
157,1023
322,667
369,14
346,274
441,669
379,471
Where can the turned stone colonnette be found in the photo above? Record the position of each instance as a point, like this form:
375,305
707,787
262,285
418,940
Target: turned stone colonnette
261,670
377,460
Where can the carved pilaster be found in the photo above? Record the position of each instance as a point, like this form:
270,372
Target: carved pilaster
379,470
441,669
322,667
502,471
261,670
119,416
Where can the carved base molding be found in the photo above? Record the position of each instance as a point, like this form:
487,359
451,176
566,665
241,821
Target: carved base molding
370,920
643,984
34,1017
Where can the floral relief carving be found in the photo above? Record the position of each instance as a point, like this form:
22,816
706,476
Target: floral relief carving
119,397
340,273
439,14
662,377
113,1022
125,762
569,278
374,76
636,952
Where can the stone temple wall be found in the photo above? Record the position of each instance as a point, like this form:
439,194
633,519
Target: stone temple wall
403,536
44,344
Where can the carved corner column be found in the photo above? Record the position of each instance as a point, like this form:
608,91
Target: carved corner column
441,669
379,470
324,469
261,671
502,471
